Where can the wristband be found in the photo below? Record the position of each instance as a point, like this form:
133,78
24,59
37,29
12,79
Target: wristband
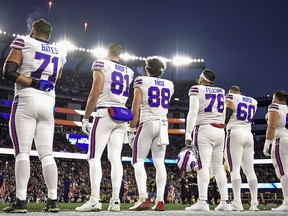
35,83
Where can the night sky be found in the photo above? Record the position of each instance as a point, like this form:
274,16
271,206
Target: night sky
244,42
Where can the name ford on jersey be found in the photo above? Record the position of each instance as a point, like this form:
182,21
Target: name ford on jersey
214,90
48,48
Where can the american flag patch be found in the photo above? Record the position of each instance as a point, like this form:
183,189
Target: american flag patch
273,106
229,96
18,43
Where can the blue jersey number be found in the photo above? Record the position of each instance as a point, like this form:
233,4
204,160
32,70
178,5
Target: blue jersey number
46,61
117,84
245,112
157,97
212,98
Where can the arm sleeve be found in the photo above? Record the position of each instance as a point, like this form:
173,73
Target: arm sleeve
192,116
228,115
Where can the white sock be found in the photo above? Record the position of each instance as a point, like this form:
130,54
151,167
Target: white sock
221,180
161,177
253,186
95,169
50,173
236,185
116,176
141,178
203,179
284,184
22,175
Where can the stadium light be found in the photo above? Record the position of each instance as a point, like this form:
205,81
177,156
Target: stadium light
99,52
66,45
180,60
126,56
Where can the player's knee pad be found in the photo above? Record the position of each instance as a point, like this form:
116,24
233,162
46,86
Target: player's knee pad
22,157
235,175
43,152
47,160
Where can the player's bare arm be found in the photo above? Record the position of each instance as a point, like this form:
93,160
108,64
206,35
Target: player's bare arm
192,116
137,100
12,64
273,118
93,97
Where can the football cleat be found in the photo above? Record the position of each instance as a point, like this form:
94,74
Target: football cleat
254,207
236,206
51,206
89,207
141,205
281,208
200,205
159,206
223,206
17,206
114,205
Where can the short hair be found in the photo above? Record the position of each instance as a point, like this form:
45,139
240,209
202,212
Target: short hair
42,28
155,66
281,95
235,89
209,74
114,50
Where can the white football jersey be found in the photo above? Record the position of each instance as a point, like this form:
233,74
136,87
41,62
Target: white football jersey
117,80
211,104
282,126
156,95
41,60
245,108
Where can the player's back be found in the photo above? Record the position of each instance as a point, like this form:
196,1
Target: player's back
117,80
156,95
282,125
41,60
211,104
245,109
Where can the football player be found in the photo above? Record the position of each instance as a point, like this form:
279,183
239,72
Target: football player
239,148
206,119
152,96
110,89
34,64
277,135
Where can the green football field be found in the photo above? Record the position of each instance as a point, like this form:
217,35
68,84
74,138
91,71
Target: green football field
37,207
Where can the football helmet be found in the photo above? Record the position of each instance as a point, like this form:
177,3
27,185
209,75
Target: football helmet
187,158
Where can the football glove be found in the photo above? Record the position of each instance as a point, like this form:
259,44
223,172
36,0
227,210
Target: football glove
43,85
266,149
85,126
131,136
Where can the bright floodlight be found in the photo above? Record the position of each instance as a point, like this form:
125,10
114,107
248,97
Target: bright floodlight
126,56
100,52
179,60
66,45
